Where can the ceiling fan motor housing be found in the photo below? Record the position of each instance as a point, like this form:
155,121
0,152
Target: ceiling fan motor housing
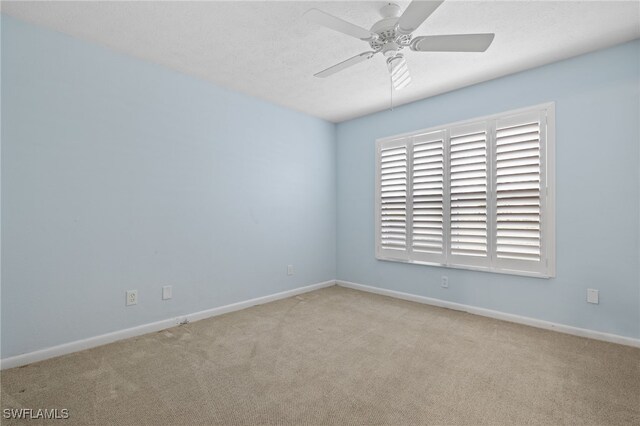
386,31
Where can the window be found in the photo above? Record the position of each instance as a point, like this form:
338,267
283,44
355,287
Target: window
476,195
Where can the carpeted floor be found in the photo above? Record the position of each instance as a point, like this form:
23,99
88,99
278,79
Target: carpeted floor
338,356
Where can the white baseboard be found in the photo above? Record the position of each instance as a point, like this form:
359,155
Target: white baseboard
103,339
562,328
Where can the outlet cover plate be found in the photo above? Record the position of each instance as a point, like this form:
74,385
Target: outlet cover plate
132,297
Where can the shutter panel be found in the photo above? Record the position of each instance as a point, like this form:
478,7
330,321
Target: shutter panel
392,199
519,191
427,196
477,195
468,189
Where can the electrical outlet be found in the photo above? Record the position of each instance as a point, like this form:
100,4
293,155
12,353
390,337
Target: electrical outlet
167,292
593,296
132,297
289,269
445,282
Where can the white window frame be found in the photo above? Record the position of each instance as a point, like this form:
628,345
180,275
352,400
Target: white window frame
546,268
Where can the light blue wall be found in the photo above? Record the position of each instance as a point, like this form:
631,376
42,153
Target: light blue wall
597,152
119,174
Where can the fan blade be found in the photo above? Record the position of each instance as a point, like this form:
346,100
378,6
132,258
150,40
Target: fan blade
415,14
345,64
453,43
337,24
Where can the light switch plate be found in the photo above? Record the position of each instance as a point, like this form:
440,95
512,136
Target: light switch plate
167,292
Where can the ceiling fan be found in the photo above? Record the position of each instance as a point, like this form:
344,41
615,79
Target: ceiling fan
393,33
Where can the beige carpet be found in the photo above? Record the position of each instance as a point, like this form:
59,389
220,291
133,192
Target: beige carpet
338,356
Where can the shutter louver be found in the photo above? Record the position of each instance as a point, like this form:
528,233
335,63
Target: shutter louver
468,191
518,189
393,198
427,186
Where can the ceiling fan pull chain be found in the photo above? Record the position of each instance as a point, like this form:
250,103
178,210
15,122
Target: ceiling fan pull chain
391,90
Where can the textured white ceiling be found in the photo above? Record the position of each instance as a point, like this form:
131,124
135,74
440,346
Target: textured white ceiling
266,49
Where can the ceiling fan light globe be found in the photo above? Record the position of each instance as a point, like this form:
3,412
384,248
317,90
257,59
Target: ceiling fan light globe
402,84
399,72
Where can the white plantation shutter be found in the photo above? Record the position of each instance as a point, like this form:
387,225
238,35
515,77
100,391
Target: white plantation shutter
520,191
468,182
475,195
427,197
392,199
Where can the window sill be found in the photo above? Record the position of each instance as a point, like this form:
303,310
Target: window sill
471,268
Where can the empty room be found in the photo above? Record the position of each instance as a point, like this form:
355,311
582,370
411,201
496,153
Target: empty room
320,213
